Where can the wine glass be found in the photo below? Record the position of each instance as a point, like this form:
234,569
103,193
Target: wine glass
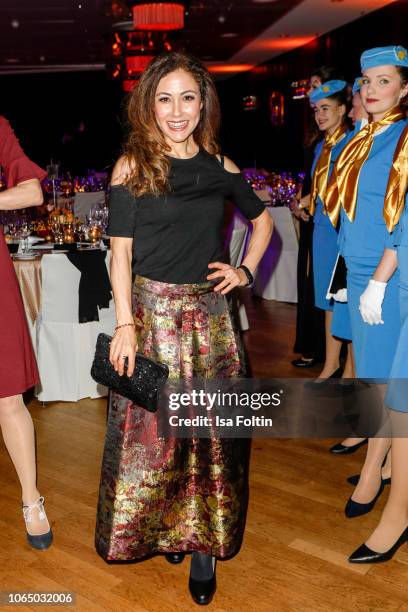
57,231
25,231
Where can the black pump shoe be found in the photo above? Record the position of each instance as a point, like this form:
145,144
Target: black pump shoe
363,554
202,590
340,449
354,480
175,558
325,382
354,509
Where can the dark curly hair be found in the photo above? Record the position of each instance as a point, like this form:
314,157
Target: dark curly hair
146,148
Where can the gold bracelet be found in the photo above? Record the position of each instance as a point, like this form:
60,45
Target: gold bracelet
124,325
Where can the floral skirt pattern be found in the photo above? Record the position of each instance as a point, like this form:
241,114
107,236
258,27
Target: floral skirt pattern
160,495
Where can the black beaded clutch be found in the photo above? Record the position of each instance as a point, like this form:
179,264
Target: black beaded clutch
142,388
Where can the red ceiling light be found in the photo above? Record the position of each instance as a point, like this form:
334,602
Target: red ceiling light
283,43
135,64
158,16
227,68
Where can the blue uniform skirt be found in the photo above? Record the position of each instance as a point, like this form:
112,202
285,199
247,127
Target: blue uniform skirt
341,325
325,252
374,345
397,392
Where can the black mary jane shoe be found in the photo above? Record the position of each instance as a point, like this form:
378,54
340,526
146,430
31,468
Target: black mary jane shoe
363,554
202,591
354,509
175,558
353,480
303,363
341,449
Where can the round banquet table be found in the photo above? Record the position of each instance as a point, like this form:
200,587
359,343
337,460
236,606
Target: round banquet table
276,276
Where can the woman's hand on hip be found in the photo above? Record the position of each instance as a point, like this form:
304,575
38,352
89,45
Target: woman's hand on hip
123,345
231,277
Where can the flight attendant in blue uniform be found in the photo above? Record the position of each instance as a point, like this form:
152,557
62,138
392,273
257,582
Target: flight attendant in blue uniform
359,118
392,530
358,188
330,107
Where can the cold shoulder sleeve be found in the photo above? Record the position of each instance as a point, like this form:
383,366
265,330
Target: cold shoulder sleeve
122,212
17,166
244,197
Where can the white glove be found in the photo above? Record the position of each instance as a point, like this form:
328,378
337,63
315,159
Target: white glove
340,296
371,301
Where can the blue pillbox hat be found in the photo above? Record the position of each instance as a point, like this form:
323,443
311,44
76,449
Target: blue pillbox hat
357,85
381,56
327,89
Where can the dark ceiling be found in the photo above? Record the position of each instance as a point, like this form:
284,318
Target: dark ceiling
65,32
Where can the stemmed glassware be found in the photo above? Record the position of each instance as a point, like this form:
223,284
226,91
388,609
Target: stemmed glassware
57,230
24,232
97,223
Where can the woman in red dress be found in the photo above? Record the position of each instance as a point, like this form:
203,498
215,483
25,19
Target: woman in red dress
18,369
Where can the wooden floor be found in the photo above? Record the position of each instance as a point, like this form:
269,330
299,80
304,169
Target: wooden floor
294,555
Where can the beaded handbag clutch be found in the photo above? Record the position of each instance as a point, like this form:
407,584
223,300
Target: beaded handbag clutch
142,388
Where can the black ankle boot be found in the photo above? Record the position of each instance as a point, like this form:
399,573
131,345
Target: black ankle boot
202,581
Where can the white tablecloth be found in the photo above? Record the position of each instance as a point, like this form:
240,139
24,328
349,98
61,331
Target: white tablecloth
276,277
64,347
237,243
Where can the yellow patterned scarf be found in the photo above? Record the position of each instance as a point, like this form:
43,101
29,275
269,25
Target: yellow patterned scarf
321,172
397,183
343,184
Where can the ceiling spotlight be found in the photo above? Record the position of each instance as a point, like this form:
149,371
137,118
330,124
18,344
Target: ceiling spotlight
15,24
221,19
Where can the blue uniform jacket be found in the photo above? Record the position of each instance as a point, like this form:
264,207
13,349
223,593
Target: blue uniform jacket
367,236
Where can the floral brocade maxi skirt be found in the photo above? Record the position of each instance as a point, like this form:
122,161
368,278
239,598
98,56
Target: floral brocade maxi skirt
160,495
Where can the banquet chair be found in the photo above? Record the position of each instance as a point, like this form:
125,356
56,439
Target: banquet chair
65,348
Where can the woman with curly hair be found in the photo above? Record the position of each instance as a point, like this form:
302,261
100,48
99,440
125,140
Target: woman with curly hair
168,495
